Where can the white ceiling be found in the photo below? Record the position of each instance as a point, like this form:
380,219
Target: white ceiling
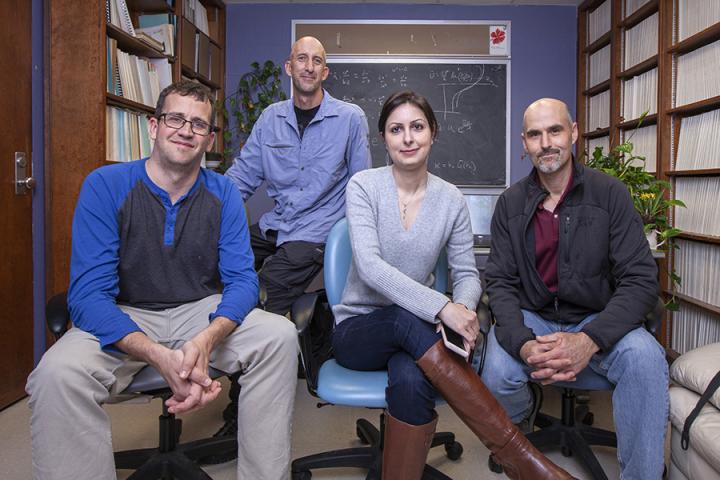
439,2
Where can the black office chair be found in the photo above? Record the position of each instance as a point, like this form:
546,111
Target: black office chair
170,460
336,385
573,431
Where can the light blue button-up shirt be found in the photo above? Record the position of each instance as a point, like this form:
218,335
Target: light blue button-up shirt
306,177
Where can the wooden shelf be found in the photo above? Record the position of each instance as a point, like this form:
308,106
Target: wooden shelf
640,68
695,108
149,6
123,102
600,132
699,237
640,14
636,122
705,172
129,44
599,88
190,73
698,40
698,303
598,44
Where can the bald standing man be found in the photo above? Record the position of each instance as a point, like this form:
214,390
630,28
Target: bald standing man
570,279
305,150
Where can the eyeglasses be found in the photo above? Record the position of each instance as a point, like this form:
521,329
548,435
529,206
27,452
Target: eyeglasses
197,126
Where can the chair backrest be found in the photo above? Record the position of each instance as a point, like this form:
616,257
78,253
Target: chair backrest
338,257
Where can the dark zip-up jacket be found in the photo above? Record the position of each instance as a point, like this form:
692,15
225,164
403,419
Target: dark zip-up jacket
604,262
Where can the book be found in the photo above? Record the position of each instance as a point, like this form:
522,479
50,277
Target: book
125,20
163,33
147,39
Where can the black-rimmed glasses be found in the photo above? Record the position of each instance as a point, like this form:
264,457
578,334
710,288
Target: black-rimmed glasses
197,126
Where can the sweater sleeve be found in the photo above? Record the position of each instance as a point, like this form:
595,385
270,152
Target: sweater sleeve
502,284
94,282
400,289
634,272
461,259
240,283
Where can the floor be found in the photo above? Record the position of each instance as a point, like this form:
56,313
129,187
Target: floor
315,430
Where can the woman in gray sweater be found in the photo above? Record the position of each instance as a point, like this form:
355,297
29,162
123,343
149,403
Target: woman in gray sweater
400,219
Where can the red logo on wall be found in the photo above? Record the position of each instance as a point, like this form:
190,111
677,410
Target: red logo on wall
498,36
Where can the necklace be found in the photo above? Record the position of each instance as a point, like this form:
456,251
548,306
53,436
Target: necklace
403,213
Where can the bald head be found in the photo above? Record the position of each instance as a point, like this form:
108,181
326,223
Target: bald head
547,105
307,45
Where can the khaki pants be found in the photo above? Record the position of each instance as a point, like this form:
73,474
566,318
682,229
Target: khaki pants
71,432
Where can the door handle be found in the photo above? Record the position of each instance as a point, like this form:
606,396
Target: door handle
23,183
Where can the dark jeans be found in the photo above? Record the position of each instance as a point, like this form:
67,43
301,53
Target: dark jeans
284,271
391,338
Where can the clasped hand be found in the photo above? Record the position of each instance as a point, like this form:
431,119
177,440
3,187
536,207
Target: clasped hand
465,322
186,371
558,357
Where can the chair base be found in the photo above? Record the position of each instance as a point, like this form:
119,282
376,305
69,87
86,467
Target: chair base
370,457
171,460
572,438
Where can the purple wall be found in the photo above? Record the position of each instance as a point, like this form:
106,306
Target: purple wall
543,45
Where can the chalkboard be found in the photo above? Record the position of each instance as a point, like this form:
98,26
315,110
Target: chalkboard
469,100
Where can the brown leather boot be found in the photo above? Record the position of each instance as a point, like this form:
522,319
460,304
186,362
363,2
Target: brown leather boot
405,448
468,396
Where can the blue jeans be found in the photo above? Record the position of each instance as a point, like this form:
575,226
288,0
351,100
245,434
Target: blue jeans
391,338
636,370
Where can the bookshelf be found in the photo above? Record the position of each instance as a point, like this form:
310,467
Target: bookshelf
663,57
81,94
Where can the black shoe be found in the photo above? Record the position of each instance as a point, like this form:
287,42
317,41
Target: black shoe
228,429
528,424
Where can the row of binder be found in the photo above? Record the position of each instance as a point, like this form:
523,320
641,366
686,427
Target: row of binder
697,264
640,95
698,75
699,142
641,41
599,111
126,135
694,16
599,21
693,327
700,196
599,66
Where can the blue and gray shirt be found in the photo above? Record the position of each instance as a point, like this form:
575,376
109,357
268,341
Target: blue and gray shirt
132,246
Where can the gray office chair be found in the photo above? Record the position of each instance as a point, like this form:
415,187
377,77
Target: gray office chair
170,460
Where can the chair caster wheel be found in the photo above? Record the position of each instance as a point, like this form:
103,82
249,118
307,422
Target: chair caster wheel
588,419
566,452
360,436
494,466
453,450
306,475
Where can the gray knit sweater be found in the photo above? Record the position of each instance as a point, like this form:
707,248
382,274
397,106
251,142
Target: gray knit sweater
393,266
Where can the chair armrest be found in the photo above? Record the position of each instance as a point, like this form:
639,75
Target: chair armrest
485,320
653,320
57,315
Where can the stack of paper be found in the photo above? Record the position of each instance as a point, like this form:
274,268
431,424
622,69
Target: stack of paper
644,142
599,66
631,6
702,214
695,16
640,95
599,111
698,75
641,41
693,327
699,142
599,22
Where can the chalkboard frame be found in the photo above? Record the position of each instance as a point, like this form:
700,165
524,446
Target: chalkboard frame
448,59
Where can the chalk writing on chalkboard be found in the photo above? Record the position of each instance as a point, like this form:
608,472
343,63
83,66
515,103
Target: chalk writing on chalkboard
469,101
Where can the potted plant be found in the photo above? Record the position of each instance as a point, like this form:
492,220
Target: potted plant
257,89
650,196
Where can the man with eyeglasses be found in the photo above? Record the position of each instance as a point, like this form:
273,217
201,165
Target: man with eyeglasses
162,274
305,150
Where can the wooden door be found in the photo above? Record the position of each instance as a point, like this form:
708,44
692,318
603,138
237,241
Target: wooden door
16,312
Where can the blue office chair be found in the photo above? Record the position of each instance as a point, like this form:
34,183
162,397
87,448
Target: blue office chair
334,384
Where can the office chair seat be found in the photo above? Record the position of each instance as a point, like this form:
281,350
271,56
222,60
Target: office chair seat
341,386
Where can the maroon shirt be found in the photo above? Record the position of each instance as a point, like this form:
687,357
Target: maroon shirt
547,237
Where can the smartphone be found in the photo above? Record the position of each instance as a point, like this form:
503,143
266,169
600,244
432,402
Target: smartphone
454,341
